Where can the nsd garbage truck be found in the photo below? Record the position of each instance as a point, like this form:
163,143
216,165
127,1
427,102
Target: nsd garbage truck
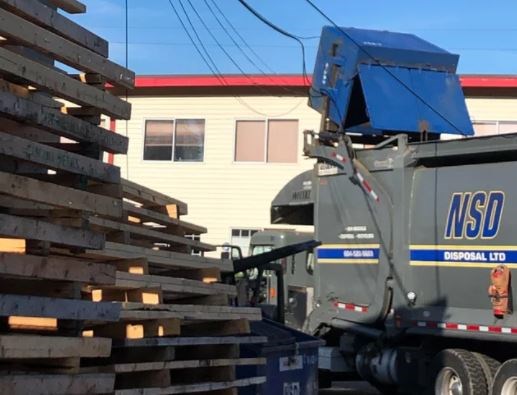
413,277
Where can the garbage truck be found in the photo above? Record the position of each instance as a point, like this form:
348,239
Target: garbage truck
413,282
297,270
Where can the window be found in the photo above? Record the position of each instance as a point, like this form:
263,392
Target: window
273,141
486,128
196,238
182,139
242,238
190,138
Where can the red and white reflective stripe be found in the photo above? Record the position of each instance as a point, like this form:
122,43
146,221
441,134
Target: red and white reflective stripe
366,185
339,157
352,307
467,327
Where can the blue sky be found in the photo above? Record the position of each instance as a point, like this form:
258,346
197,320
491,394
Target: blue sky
483,33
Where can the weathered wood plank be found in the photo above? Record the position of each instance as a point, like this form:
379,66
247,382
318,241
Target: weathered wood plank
56,122
17,246
149,197
171,284
147,215
55,268
139,329
50,19
51,347
56,159
167,259
151,234
70,6
61,85
193,388
62,384
161,365
65,309
58,196
188,312
28,34
27,228
26,93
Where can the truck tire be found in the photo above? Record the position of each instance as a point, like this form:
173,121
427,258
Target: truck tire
505,380
457,372
490,367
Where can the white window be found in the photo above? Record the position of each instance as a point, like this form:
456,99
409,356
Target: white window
182,140
487,128
273,141
196,238
241,238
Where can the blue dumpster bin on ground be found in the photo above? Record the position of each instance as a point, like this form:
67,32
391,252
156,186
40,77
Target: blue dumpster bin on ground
291,361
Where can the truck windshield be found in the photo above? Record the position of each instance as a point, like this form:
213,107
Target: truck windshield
260,249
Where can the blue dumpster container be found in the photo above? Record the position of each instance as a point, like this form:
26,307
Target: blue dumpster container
292,361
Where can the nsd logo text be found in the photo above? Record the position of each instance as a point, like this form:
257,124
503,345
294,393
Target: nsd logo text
474,215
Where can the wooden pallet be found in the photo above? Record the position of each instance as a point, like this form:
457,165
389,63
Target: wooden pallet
105,288
52,179
177,333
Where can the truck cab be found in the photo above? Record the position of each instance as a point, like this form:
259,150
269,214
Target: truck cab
298,275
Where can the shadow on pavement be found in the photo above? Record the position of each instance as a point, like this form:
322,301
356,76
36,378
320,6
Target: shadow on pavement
350,388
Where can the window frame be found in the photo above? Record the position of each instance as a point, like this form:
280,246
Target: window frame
266,139
240,229
497,123
160,162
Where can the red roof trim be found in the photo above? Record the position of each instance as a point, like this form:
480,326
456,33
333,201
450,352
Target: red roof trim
176,81
289,80
488,81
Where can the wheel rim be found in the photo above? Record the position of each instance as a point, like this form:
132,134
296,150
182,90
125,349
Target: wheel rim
509,386
448,383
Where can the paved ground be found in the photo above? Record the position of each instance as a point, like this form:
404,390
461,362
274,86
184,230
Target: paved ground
350,388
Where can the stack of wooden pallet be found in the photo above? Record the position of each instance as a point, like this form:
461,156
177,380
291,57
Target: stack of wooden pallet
177,333
103,287
50,157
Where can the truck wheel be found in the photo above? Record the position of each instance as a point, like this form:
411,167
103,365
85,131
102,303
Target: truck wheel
490,367
505,380
457,372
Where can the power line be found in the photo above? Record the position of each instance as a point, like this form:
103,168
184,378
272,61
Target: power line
208,60
285,89
361,48
252,62
220,46
191,38
281,31
236,31
228,55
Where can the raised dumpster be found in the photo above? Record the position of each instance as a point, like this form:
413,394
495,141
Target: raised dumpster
292,361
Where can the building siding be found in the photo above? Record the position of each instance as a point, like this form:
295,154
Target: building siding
221,193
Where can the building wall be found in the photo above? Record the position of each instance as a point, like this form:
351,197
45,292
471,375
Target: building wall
223,194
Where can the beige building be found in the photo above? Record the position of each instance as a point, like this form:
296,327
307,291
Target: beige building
227,148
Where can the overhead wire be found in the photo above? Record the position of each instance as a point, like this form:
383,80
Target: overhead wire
209,61
281,31
218,43
232,60
367,53
237,33
239,47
